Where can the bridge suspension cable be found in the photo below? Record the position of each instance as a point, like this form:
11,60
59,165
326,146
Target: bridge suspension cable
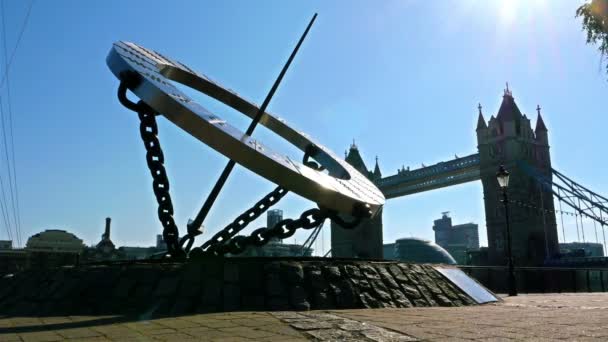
585,202
312,238
562,219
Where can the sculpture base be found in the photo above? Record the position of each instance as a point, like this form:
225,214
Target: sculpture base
159,288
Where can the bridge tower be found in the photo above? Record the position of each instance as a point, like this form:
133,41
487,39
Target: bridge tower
508,139
365,240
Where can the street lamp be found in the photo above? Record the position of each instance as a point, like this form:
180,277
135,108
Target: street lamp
503,181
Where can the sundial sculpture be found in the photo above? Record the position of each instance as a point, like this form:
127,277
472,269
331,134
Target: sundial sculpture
339,192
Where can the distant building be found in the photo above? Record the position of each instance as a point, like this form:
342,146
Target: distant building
579,254
581,249
276,249
11,260
421,251
55,240
106,245
6,244
388,251
160,242
48,249
52,248
477,257
273,217
138,253
456,239
105,250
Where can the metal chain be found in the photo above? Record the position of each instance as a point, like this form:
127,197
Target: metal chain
245,218
155,160
283,229
225,241
258,209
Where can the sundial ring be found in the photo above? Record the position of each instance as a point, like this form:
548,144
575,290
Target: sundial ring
344,189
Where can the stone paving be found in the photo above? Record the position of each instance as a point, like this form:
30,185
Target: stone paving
547,317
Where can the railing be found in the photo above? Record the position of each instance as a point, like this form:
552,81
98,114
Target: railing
541,279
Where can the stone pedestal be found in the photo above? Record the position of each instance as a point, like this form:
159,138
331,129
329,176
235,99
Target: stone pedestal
150,289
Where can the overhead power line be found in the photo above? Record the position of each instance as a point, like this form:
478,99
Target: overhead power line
10,141
23,26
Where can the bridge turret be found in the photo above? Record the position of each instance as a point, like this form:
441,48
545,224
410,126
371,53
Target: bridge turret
510,140
365,240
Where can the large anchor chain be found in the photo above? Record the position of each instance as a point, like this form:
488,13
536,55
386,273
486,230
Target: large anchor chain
155,159
283,229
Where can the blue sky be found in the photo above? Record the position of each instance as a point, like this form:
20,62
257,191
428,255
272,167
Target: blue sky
402,78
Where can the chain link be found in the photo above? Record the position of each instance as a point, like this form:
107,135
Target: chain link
311,150
282,230
245,218
223,236
155,159
160,184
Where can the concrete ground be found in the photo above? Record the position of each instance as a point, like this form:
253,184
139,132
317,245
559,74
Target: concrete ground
546,317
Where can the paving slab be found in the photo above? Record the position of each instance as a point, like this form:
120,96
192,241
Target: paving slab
546,317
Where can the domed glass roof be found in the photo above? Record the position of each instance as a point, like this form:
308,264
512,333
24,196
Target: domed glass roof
421,251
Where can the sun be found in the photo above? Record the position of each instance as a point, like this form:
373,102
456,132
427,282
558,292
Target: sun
510,11
507,10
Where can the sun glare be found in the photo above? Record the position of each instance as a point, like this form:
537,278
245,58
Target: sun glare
510,11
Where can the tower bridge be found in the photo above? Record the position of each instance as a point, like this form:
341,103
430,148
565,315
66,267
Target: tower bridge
505,139
442,174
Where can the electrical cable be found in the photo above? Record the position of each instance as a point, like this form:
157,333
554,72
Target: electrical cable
23,26
10,165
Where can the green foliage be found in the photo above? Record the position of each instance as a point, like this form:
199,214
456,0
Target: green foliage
595,22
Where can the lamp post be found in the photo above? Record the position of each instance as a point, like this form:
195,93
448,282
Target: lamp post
503,181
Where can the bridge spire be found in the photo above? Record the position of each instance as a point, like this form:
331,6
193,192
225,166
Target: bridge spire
540,124
377,173
508,110
481,122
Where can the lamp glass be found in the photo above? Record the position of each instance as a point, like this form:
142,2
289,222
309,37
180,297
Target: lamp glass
503,179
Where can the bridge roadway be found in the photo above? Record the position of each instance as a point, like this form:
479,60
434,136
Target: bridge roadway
442,174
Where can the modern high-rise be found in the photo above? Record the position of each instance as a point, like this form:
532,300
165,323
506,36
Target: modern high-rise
456,239
273,217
